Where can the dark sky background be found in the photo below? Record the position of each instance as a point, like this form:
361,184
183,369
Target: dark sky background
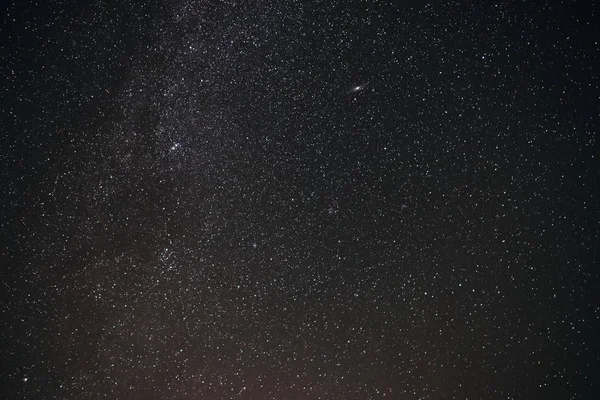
299,200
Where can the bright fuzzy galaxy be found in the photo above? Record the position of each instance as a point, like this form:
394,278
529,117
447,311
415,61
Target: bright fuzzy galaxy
299,200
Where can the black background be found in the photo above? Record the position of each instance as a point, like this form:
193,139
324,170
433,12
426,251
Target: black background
299,200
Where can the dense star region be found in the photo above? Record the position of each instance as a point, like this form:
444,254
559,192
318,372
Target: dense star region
299,200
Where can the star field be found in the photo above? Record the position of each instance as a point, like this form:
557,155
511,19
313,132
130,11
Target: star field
299,200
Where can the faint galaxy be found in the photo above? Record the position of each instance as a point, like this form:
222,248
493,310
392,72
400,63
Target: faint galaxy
299,200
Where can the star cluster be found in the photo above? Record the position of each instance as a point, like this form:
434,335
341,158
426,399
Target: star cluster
299,200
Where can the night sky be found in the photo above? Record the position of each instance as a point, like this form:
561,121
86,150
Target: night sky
299,200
